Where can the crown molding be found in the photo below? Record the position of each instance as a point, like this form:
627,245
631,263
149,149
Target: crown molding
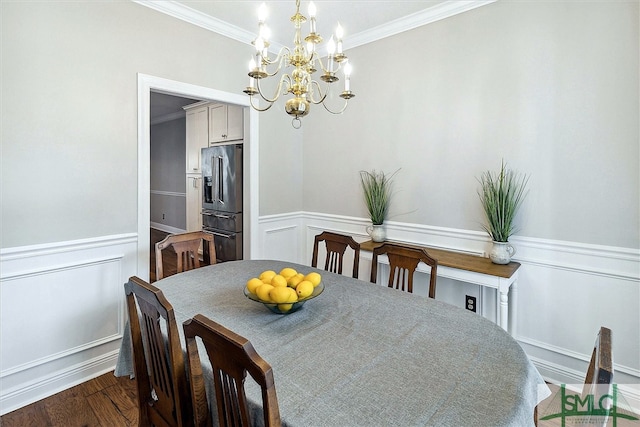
178,10
441,11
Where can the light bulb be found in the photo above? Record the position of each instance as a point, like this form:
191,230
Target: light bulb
331,46
347,70
252,64
259,44
339,32
265,32
312,10
262,12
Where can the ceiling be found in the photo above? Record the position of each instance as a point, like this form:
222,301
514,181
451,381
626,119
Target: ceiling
354,16
363,21
166,105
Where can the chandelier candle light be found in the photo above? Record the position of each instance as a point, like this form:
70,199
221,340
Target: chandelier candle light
303,58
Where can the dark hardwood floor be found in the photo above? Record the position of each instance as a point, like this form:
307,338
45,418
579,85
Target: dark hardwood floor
105,401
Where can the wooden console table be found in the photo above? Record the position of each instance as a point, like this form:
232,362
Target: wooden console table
477,270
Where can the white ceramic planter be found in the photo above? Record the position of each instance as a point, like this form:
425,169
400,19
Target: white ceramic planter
377,233
501,252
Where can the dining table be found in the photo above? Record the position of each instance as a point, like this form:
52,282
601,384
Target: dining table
362,354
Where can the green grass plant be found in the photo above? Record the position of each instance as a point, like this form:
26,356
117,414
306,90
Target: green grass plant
377,194
501,195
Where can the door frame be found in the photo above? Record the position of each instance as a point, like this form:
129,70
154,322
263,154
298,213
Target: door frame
148,83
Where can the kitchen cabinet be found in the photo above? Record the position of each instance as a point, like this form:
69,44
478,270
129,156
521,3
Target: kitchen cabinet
197,123
194,202
225,123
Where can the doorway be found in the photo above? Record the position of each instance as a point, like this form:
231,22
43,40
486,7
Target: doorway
148,84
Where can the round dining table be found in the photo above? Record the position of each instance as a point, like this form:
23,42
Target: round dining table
362,354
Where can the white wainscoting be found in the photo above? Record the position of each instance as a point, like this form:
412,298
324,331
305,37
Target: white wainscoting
566,290
62,311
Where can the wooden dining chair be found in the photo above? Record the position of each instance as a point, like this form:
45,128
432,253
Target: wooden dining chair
163,395
186,247
231,357
403,262
598,380
600,371
336,246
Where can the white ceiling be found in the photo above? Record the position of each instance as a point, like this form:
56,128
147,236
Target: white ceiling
364,21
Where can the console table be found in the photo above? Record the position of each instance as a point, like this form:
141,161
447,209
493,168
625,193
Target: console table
477,270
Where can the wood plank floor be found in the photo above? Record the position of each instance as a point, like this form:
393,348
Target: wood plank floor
105,401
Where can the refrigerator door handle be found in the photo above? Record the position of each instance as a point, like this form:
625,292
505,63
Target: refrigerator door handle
220,177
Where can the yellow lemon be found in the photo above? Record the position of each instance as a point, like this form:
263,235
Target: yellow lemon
293,295
266,276
278,280
252,284
285,307
304,289
288,272
294,280
263,291
314,278
279,294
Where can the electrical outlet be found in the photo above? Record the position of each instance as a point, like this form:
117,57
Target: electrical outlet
470,303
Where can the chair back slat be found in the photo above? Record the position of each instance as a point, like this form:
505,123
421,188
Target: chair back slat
336,246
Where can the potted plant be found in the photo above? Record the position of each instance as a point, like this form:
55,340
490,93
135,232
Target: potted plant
501,195
377,197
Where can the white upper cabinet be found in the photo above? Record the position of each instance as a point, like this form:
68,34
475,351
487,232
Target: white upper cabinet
197,136
225,123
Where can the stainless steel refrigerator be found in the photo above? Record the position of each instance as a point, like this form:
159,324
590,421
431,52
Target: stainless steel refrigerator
222,199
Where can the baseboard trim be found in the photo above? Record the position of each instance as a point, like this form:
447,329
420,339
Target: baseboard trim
56,382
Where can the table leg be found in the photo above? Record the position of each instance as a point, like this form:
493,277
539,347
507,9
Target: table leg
513,302
504,310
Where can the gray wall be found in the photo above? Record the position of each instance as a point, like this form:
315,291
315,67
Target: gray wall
167,173
551,87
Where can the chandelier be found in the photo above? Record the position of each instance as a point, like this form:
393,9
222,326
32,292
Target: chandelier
303,59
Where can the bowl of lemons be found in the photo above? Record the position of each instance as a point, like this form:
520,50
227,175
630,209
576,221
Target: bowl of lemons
284,292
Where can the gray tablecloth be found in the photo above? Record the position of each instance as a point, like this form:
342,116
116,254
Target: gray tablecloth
363,354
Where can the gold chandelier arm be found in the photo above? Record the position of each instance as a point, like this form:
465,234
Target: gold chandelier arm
255,107
344,107
319,89
277,92
284,53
